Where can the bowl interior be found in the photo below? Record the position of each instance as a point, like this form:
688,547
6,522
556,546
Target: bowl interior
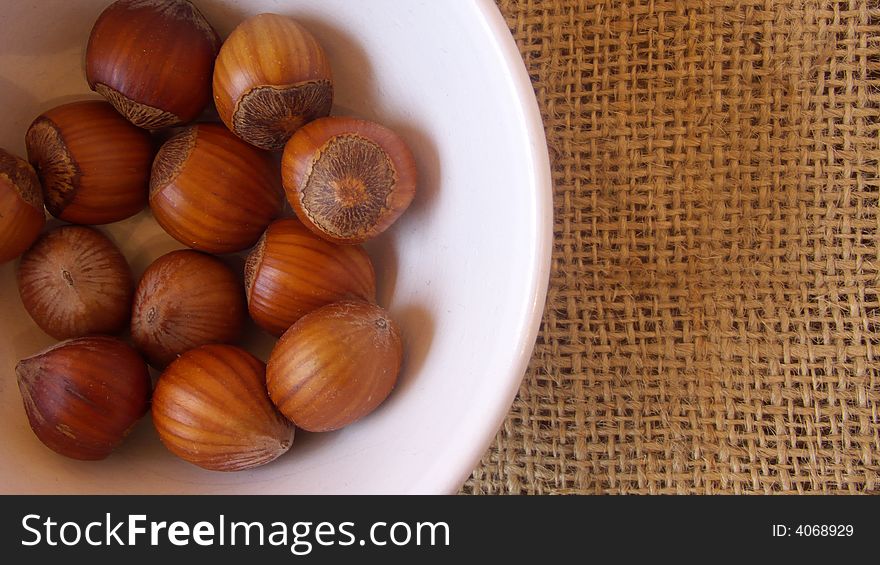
463,272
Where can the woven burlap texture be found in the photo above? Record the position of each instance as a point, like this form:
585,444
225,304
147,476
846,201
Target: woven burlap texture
713,314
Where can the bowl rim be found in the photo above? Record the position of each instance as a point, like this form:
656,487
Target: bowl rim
458,464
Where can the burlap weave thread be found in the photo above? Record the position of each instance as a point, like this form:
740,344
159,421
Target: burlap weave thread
713,314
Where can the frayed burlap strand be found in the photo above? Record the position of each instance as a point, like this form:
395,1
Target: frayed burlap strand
713,315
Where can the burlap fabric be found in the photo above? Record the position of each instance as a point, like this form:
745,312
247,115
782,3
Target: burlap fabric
713,315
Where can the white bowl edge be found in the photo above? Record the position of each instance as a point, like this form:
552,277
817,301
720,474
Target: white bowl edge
435,479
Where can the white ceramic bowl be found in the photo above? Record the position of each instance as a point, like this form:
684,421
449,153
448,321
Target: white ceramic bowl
465,271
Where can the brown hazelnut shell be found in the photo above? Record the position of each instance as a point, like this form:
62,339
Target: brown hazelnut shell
74,281
335,365
212,191
270,78
153,60
83,396
348,180
185,299
292,271
94,166
21,206
211,408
